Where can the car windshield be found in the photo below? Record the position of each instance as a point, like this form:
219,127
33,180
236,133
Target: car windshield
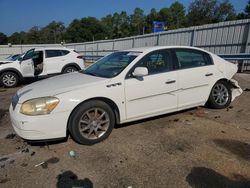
111,65
17,57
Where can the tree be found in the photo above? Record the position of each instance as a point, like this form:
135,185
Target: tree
137,21
247,10
210,11
3,38
224,11
54,32
201,12
177,13
86,29
33,36
107,22
152,16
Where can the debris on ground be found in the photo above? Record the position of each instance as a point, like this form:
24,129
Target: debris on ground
201,113
246,89
216,117
44,164
3,90
72,153
33,153
10,136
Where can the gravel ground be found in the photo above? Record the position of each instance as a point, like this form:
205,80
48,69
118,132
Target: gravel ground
199,147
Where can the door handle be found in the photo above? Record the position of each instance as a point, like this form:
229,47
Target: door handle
209,74
170,82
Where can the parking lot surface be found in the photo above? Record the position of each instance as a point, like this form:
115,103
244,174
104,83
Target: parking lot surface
199,147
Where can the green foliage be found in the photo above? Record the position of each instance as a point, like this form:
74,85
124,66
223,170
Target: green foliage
123,25
210,11
3,38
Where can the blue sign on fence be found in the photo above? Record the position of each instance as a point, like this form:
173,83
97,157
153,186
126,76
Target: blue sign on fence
158,26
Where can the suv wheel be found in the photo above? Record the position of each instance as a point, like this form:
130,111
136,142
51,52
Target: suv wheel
9,79
70,69
91,122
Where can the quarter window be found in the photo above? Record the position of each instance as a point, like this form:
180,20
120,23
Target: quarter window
64,52
192,58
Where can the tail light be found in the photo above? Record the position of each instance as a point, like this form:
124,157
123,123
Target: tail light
80,57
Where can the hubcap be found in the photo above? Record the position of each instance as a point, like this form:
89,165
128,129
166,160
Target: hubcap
220,94
94,123
9,80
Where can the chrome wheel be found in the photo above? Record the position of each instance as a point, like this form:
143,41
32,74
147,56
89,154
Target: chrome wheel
94,123
220,94
9,80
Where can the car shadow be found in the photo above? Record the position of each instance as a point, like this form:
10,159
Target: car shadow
201,177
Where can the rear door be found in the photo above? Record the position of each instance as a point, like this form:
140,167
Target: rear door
195,75
154,93
27,65
53,61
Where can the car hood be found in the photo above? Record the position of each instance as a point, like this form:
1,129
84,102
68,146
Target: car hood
6,61
58,84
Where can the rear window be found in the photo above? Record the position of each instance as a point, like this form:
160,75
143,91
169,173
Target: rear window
53,53
192,58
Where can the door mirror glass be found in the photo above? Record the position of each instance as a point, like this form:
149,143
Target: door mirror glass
140,72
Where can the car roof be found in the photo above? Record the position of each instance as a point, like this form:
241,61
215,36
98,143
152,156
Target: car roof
53,48
152,48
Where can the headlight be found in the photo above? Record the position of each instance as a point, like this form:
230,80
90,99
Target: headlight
39,106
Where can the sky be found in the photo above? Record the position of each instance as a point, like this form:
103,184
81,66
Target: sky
21,15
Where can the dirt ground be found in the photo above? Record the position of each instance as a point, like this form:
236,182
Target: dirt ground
194,148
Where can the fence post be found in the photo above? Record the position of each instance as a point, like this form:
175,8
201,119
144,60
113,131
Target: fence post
113,45
97,48
192,37
158,40
133,42
246,41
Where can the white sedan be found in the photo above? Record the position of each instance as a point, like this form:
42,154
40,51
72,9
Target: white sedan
122,87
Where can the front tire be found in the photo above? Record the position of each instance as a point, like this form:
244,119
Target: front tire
220,95
9,79
91,122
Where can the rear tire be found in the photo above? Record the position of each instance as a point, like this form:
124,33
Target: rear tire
220,95
91,122
69,69
9,79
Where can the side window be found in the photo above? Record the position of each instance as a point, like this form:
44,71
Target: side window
53,53
156,62
64,52
192,58
29,54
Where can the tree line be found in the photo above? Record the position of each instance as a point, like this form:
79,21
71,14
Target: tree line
121,24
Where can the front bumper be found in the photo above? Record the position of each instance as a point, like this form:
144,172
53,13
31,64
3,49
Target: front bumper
41,127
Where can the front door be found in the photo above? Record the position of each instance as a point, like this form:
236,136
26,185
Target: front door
155,93
27,65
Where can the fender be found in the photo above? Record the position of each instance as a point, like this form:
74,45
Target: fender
71,64
13,70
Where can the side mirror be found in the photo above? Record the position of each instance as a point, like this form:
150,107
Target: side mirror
140,72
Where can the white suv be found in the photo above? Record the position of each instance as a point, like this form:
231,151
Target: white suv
39,62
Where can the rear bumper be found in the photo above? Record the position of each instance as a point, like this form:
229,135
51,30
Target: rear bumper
236,90
44,127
